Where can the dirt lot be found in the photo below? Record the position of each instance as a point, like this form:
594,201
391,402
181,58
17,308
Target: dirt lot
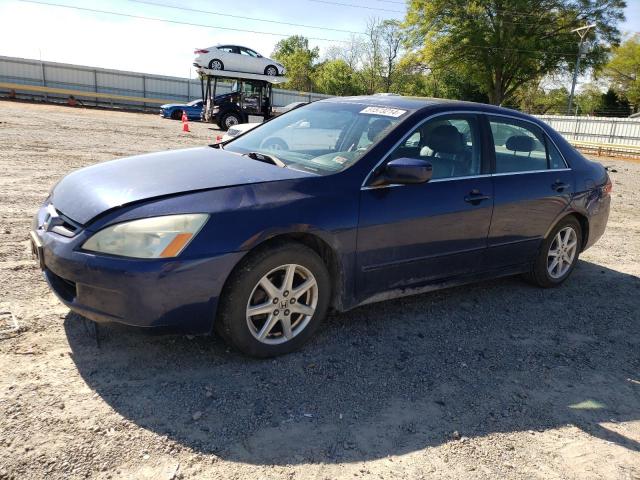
494,380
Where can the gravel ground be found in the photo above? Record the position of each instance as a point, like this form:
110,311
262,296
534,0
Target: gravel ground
494,380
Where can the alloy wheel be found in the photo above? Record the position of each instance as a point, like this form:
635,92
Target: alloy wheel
230,121
215,65
282,304
562,252
272,72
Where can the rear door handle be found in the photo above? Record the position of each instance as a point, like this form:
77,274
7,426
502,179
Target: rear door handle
475,197
559,186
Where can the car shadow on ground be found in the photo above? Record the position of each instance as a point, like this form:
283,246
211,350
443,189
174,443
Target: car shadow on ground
389,378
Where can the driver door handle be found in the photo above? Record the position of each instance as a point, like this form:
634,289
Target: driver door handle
475,196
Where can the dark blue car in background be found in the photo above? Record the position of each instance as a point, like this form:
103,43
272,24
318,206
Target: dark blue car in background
174,110
336,204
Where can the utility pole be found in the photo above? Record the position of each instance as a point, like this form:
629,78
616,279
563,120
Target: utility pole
582,32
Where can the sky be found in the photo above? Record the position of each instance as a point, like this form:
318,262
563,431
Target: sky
35,30
31,29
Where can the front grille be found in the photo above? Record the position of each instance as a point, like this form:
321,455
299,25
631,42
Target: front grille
66,289
56,221
67,228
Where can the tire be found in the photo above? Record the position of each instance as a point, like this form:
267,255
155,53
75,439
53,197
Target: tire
228,120
176,115
244,289
216,64
274,143
542,271
271,71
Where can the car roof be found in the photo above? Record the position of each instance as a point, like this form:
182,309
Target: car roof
426,103
235,45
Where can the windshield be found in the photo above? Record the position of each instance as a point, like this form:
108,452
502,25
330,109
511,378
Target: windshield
193,103
322,137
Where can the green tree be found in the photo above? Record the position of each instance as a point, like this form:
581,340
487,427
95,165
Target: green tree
335,77
501,45
589,99
373,61
623,70
392,37
294,53
612,105
536,99
413,78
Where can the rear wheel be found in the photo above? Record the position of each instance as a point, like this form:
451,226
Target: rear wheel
558,255
216,64
274,301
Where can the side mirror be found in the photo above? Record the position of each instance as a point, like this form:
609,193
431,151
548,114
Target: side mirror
404,171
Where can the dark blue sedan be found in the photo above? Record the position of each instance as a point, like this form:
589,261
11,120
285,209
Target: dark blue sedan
336,204
174,110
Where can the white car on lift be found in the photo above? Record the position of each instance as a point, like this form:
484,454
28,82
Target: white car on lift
236,58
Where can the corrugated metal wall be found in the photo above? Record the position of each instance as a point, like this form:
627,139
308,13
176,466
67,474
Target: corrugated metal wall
115,82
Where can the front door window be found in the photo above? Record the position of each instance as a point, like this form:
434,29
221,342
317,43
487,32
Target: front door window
451,144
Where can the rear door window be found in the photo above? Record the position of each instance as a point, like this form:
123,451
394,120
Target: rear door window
522,147
248,52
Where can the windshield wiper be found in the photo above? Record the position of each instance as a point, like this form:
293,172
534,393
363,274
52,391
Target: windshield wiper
261,157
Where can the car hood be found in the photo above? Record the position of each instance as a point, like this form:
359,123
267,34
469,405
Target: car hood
88,192
173,105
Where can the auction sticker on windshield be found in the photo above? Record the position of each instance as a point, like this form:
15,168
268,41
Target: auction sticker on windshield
387,112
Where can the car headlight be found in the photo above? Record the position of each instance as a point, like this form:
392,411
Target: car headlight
155,237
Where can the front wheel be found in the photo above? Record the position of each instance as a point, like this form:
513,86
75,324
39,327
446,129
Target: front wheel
229,120
558,255
271,71
274,301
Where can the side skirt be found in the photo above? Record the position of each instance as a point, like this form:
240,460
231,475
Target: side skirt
441,284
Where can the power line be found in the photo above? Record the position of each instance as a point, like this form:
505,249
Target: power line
357,6
143,17
177,22
242,17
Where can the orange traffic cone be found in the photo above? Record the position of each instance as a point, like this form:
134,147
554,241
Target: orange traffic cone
185,122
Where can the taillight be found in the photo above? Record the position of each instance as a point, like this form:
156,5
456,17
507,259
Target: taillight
607,187
198,50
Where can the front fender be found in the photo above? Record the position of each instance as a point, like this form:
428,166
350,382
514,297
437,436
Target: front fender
336,250
243,217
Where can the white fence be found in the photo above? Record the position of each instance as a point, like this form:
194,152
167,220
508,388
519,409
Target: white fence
605,130
48,76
